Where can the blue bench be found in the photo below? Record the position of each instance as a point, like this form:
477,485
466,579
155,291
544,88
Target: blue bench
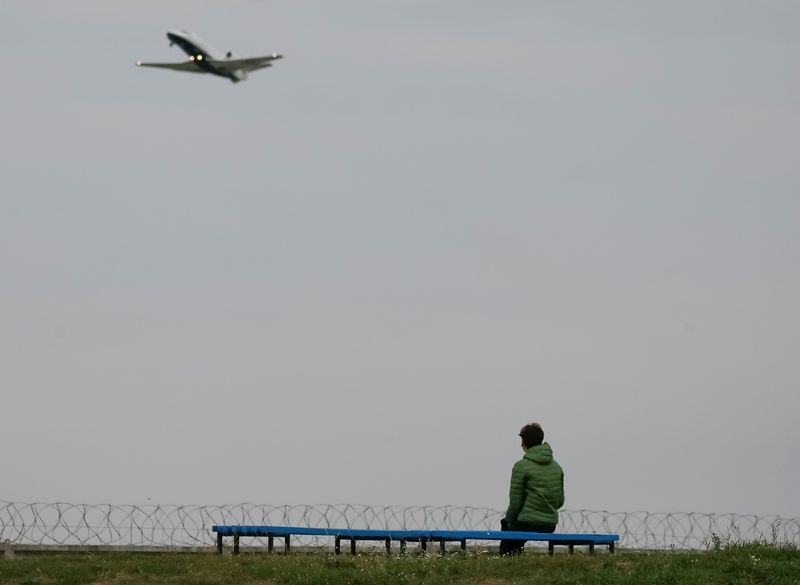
403,536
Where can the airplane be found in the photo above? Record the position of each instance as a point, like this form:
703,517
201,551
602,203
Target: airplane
205,59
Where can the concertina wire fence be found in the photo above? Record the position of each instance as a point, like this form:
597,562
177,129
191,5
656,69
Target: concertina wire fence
190,526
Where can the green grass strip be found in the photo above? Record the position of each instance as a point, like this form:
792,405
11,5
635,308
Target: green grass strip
732,565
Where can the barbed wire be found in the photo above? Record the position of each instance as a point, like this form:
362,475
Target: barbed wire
62,523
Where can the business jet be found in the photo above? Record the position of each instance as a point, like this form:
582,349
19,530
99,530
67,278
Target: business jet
203,58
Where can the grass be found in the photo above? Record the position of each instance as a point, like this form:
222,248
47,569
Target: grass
730,565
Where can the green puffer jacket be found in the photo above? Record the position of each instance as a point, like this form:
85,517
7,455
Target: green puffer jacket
537,488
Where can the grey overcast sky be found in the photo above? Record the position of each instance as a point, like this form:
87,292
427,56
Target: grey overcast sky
355,276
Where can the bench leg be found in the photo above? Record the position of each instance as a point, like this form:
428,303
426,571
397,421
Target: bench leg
270,543
591,548
611,547
441,547
337,547
388,546
551,548
219,542
286,545
424,545
571,549
353,546
402,547
464,544
236,544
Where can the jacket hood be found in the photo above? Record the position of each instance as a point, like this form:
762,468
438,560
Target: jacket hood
541,454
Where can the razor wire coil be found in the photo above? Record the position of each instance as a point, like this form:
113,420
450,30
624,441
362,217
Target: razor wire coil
62,523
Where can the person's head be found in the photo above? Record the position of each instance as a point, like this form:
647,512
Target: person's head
531,435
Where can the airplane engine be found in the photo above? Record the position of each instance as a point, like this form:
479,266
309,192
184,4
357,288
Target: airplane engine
238,75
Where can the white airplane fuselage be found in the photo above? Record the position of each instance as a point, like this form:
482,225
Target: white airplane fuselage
202,53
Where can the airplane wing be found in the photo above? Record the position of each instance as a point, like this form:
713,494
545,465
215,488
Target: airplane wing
248,64
188,66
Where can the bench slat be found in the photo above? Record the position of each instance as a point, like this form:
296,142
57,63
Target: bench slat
364,534
512,535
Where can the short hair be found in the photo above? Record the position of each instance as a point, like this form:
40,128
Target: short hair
532,434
